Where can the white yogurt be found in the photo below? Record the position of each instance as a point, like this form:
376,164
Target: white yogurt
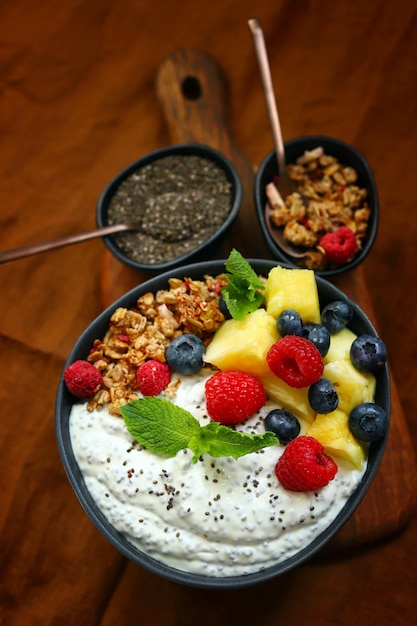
220,517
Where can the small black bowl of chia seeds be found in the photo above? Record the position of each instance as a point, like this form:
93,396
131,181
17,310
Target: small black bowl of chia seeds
182,199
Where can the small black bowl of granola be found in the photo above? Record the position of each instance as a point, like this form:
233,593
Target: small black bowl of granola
183,199
336,223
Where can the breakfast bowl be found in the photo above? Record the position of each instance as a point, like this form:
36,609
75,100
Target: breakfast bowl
353,202
200,522
182,200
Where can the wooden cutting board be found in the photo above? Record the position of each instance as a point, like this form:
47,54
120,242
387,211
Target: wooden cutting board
192,91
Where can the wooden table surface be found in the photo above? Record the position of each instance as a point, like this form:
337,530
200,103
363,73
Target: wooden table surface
78,103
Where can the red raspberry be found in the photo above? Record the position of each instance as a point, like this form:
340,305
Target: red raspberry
152,377
233,396
341,246
304,465
82,379
295,360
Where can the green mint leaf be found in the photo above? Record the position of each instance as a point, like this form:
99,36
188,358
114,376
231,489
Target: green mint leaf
242,293
159,425
218,440
240,298
236,264
164,428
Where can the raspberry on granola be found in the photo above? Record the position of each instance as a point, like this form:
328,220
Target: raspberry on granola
135,336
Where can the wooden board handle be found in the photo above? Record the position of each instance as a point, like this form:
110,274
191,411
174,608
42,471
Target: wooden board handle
193,95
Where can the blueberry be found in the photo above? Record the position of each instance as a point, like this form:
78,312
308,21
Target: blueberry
289,323
317,334
368,353
185,354
283,423
223,308
323,396
368,422
336,316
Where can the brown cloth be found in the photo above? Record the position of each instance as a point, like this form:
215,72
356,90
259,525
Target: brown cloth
77,104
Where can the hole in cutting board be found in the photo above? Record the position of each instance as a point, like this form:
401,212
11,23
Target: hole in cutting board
191,88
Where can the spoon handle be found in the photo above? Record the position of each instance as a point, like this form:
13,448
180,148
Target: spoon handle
19,253
265,73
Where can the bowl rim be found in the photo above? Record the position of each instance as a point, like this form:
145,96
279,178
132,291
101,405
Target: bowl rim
308,142
189,148
64,401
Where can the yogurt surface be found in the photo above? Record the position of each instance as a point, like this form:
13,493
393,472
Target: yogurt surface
219,517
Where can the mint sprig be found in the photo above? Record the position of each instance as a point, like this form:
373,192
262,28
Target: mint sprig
165,428
242,294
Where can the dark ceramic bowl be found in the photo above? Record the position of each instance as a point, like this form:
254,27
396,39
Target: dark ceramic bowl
327,293
207,249
347,155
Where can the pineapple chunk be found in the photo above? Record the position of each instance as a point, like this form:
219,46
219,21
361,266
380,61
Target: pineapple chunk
353,387
292,289
290,398
243,344
340,344
332,430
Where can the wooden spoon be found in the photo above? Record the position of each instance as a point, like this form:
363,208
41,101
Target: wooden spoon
284,184
19,253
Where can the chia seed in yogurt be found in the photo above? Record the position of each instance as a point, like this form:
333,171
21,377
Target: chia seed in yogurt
220,517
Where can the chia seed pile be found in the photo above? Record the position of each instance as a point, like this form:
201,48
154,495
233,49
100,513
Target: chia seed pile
177,201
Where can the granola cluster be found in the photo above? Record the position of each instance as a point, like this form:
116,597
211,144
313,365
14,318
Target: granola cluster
144,332
334,199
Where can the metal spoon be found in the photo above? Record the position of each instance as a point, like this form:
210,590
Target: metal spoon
284,184
19,253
